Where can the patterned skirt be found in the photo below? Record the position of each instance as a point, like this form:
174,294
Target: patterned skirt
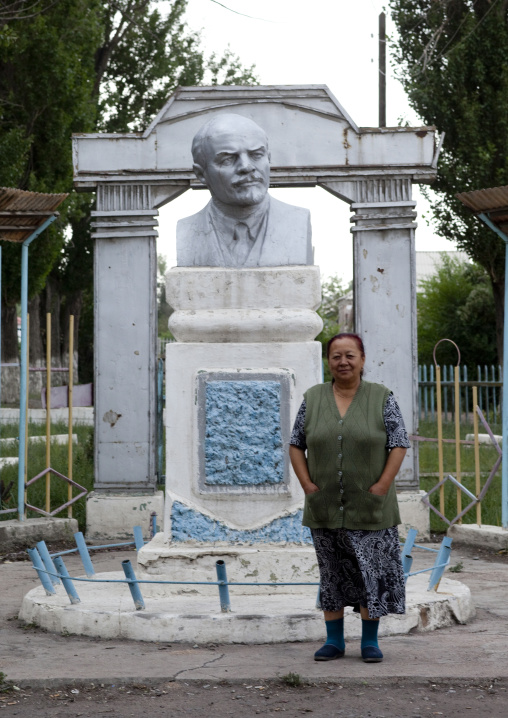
360,568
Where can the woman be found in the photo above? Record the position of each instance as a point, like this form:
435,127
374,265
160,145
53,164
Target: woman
355,439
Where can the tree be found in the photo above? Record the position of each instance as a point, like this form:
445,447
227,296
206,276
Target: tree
80,66
457,303
332,290
141,59
451,57
46,65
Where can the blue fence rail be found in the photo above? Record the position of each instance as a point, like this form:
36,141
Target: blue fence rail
52,571
489,380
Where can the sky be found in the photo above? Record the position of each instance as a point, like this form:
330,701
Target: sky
292,42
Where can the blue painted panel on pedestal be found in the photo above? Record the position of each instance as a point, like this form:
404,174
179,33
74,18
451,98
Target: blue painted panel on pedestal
189,524
243,438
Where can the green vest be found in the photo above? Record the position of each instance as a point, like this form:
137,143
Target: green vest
346,455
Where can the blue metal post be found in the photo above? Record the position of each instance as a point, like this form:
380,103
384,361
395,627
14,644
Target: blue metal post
225,605
23,365
47,561
85,556
442,560
153,524
133,585
138,537
66,580
39,567
504,469
407,562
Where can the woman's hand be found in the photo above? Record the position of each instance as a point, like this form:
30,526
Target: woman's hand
310,488
379,489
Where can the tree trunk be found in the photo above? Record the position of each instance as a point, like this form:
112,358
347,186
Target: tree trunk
35,346
53,308
498,291
10,355
10,348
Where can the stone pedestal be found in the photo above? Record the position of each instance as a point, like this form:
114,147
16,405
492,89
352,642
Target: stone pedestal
234,381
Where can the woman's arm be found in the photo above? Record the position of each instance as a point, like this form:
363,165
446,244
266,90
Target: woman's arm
299,463
392,466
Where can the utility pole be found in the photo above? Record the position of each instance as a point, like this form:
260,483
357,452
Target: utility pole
382,70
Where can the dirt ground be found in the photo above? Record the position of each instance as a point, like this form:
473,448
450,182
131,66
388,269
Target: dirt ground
396,699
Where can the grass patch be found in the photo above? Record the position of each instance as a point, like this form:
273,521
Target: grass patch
82,470
429,464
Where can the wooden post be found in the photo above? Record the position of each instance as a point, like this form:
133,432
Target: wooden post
48,411
477,455
456,377
440,439
382,70
71,388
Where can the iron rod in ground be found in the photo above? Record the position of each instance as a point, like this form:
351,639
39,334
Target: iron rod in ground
85,556
66,580
47,561
133,585
225,605
39,567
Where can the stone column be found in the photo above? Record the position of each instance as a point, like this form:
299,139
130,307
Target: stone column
385,306
125,310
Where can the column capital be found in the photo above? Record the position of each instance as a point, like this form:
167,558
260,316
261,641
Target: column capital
379,203
124,210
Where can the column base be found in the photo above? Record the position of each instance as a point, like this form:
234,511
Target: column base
112,516
413,514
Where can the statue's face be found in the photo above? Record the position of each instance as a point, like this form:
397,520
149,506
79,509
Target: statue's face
238,164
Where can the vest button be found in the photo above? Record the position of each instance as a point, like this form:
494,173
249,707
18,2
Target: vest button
339,438
341,508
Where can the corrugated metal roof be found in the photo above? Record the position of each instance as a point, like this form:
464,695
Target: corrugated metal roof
21,212
492,201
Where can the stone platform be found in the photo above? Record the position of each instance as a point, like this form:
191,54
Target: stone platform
107,611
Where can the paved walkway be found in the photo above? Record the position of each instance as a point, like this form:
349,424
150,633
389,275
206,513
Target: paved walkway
29,656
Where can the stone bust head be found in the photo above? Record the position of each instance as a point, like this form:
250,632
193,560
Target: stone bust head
231,157
242,225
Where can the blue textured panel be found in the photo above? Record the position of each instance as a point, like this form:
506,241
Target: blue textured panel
188,524
243,440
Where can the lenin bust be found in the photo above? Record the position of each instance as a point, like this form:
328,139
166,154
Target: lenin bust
242,225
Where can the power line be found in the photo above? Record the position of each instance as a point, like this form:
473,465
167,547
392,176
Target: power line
251,17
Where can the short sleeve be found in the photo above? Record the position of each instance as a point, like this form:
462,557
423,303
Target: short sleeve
396,434
298,433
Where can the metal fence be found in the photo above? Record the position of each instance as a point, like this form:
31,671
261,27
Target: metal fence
490,389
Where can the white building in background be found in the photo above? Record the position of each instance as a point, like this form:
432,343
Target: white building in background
427,263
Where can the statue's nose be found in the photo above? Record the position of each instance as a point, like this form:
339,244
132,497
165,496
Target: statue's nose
245,163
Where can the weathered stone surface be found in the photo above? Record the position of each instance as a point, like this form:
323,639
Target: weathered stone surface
18,535
492,537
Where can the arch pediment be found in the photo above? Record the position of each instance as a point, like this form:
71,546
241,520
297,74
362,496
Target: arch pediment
311,137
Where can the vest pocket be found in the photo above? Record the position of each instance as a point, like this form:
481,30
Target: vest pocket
317,506
369,509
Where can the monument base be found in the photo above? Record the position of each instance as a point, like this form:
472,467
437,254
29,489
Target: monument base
113,515
413,514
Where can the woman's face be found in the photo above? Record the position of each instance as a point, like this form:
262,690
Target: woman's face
346,361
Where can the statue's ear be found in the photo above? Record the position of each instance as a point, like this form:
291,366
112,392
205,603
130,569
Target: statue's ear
199,172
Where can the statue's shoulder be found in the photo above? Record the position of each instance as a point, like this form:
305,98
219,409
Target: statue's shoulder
200,219
288,210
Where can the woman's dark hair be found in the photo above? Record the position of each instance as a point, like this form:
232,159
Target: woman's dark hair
346,335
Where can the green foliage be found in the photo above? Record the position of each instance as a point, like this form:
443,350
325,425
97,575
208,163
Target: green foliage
429,467
457,304
292,679
82,471
331,291
77,66
452,60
